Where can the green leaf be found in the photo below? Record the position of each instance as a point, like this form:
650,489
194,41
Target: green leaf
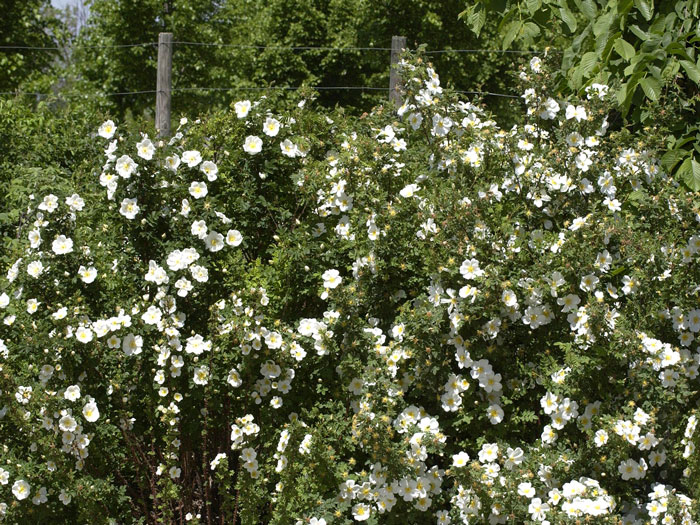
602,25
475,17
533,6
692,70
624,49
690,174
676,48
627,90
651,87
618,271
639,32
671,158
604,53
671,69
637,195
624,6
646,7
568,17
588,62
578,41
530,31
511,32
588,8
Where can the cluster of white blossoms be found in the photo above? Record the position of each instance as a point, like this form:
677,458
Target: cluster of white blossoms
253,144
535,302
483,427
661,498
55,253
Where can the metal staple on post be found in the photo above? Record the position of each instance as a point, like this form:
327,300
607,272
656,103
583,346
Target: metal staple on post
398,44
164,83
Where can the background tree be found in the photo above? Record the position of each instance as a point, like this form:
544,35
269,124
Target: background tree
27,23
255,24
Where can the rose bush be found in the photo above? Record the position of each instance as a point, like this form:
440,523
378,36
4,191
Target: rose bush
415,316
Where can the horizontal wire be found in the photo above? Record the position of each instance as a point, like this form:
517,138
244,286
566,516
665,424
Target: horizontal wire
78,94
488,93
321,88
284,88
87,46
513,51
241,88
245,46
129,93
292,48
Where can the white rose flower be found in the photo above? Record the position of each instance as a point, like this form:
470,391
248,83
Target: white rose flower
125,166
132,344
234,238
49,204
67,423
35,268
409,191
84,335
145,149
214,241
129,208
192,158
62,245
87,275
210,170
331,278
75,202
107,129
172,162
152,316
361,512
252,144
21,489
271,127
242,108
289,149
72,393
234,378
198,190
201,375
64,497
90,412
199,229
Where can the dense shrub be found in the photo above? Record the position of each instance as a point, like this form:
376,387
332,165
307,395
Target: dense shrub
407,317
43,143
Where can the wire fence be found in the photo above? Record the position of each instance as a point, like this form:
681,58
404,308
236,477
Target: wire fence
79,46
237,88
258,48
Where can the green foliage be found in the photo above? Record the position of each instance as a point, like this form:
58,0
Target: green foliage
413,315
44,144
27,23
646,51
258,34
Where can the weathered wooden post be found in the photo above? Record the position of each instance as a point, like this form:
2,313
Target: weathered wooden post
398,44
164,83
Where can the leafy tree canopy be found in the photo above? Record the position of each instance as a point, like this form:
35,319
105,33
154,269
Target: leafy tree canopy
266,30
25,24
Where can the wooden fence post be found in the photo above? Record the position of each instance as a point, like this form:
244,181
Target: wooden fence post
398,44
164,83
